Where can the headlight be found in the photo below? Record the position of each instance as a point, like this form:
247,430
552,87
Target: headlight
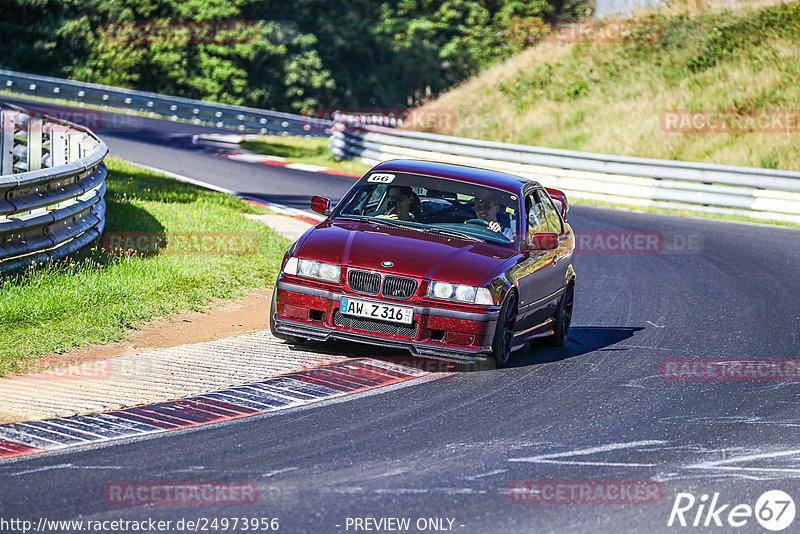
291,266
313,269
460,293
441,290
308,268
329,271
465,293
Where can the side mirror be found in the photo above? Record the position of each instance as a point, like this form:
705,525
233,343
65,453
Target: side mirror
321,205
561,198
544,241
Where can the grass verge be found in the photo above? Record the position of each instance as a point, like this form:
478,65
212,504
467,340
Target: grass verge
297,148
613,97
99,296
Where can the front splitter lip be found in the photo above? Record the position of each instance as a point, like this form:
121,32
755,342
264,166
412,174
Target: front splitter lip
490,315
424,350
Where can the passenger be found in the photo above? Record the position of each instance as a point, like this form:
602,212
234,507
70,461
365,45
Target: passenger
402,204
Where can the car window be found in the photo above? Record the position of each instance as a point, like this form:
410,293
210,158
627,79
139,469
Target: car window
550,212
373,200
537,220
478,212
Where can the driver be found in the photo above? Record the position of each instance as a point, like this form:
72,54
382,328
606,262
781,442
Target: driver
486,210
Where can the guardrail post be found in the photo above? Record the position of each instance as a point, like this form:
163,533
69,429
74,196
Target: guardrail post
58,147
74,147
35,125
6,142
19,126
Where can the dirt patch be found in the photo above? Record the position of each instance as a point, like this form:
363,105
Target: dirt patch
225,318
289,227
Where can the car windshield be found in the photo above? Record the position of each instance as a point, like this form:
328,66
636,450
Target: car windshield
436,205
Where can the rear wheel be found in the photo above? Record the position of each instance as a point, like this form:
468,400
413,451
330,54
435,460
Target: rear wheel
504,332
273,309
563,317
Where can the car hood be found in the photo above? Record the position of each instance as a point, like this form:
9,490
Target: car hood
413,252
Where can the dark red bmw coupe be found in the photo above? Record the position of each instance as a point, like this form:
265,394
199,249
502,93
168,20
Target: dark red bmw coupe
450,262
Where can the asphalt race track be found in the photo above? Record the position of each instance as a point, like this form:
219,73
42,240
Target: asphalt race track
596,409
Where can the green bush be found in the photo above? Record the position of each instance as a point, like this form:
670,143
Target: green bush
363,53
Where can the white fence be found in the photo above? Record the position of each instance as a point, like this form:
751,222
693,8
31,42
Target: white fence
766,194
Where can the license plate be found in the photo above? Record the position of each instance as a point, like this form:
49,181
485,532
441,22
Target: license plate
377,310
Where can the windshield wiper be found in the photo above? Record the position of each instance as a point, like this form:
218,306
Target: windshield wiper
453,233
412,225
381,220
352,217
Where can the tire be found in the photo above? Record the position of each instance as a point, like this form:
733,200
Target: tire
291,339
504,332
563,317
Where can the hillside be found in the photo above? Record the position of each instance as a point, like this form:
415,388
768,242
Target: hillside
616,97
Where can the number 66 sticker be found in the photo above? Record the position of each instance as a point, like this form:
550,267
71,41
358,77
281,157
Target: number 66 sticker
381,178
775,510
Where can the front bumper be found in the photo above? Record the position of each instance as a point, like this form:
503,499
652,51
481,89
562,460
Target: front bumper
439,332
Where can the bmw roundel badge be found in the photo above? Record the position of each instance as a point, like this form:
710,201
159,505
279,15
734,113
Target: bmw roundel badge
387,264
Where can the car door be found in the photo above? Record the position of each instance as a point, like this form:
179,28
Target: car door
563,254
537,275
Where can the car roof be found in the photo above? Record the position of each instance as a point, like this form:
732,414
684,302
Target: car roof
473,175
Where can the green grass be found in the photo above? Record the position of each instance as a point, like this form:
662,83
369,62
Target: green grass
99,297
609,97
297,148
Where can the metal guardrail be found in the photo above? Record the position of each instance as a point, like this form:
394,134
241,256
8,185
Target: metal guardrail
52,182
221,115
765,194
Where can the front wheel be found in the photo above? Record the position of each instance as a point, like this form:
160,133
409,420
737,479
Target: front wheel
504,332
563,317
272,310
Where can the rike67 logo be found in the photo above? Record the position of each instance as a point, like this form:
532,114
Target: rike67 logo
774,510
